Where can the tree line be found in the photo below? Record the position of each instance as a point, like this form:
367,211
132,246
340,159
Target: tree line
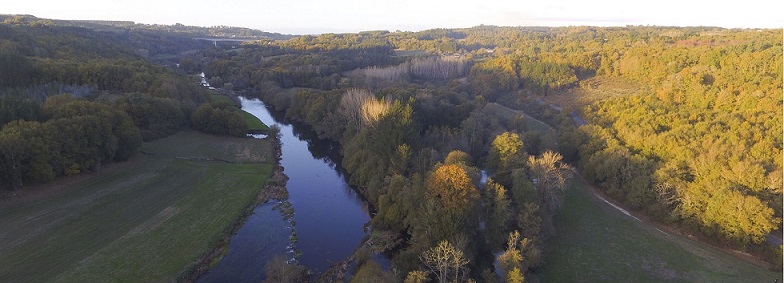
73,99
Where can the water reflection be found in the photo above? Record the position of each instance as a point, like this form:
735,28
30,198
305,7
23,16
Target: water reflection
329,215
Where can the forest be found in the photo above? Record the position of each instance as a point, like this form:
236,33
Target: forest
698,146
73,98
421,116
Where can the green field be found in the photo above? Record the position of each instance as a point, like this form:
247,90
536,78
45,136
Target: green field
598,243
148,219
217,98
254,124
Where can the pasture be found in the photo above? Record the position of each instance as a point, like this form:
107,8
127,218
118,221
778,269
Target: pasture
596,242
148,219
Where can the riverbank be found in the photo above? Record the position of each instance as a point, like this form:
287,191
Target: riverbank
274,189
325,218
146,219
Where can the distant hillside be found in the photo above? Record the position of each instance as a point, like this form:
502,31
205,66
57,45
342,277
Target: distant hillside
119,26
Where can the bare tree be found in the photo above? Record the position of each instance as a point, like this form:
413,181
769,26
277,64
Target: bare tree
439,68
360,108
351,105
373,110
447,262
390,73
550,178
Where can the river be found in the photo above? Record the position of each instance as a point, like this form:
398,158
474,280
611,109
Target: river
329,216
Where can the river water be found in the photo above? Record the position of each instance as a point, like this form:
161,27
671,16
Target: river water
329,216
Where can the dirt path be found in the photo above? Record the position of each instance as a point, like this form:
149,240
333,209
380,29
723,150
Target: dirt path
772,238
669,231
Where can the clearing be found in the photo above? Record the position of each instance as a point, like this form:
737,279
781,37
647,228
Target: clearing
148,219
592,90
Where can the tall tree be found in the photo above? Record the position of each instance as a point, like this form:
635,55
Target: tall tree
550,178
497,210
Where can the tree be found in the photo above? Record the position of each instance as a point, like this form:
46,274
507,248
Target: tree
11,156
446,262
351,106
529,220
219,120
458,157
451,187
497,213
550,178
370,271
512,258
520,254
155,117
506,147
416,276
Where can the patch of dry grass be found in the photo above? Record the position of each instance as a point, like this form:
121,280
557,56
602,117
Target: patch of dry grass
592,90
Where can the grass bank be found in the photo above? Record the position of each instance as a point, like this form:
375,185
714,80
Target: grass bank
145,220
255,125
598,243
220,98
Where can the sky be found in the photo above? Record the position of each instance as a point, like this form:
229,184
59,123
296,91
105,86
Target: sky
338,16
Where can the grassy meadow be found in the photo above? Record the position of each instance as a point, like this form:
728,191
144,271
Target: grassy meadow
598,243
148,219
254,123
220,98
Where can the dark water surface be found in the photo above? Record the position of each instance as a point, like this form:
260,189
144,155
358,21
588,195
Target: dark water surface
329,215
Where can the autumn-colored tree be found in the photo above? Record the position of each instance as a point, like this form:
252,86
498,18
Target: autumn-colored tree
416,276
520,254
451,187
450,207
458,157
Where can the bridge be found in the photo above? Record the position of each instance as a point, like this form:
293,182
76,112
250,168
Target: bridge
229,39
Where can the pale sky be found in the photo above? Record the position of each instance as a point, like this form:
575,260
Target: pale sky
318,16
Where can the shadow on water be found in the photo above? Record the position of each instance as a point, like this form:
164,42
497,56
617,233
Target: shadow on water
263,236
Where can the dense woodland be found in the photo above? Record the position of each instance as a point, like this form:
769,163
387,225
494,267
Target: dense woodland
699,146
420,115
74,98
